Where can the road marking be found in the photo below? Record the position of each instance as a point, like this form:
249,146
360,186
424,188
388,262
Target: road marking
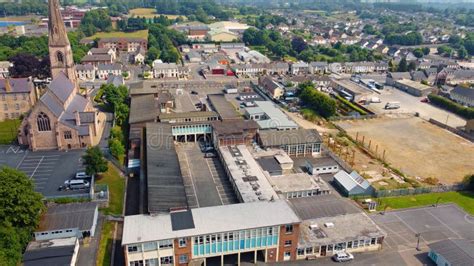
191,177
21,161
218,193
36,168
441,222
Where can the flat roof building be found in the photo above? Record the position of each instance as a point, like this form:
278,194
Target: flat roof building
223,107
267,230
351,90
269,116
165,187
246,176
62,251
352,184
412,87
233,132
326,236
299,142
298,185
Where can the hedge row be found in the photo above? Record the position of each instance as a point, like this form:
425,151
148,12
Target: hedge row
445,103
351,105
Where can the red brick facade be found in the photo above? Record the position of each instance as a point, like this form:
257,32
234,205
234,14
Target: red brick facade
286,236
186,250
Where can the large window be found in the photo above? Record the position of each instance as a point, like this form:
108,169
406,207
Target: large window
287,243
166,260
60,57
183,259
182,242
289,228
151,262
136,263
166,244
134,248
150,246
67,135
43,122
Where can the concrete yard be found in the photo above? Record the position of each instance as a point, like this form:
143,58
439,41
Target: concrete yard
412,104
416,147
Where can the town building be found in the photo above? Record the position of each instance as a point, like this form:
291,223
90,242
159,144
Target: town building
68,220
102,51
5,69
85,72
272,88
233,132
169,70
51,252
62,118
224,108
298,142
268,232
96,59
298,185
124,44
269,116
413,87
452,252
321,165
462,95
105,70
17,97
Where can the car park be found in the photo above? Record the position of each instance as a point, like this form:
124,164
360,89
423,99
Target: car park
343,256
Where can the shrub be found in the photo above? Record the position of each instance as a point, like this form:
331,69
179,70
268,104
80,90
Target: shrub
469,182
466,112
431,180
351,105
116,148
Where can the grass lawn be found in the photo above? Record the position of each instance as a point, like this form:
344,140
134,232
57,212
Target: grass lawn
105,245
116,185
465,200
116,34
8,130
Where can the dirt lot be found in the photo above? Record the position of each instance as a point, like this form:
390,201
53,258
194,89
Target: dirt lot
416,147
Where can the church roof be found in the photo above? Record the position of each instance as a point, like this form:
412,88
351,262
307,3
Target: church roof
62,87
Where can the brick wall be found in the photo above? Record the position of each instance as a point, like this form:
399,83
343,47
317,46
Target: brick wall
182,251
293,237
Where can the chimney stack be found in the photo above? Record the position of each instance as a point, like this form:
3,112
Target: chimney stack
8,85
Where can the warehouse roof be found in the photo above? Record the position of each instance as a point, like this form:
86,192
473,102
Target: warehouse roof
164,180
72,215
143,109
223,107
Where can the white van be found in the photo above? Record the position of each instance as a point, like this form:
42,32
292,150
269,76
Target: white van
392,105
82,175
77,184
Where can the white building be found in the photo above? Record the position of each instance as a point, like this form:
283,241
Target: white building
104,70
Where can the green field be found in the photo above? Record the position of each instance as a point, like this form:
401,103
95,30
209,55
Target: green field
116,184
8,130
149,13
105,244
117,34
463,199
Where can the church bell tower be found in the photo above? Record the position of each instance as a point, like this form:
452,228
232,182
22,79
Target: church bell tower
60,52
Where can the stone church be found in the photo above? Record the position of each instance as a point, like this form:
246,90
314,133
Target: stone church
63,118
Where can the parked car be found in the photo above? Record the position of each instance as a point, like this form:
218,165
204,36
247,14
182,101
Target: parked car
343,256
209,155
77,184
82,175
194,92
425,100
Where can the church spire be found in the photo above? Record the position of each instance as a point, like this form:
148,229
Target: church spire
60,53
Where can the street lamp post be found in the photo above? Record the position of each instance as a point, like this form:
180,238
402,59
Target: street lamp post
418,235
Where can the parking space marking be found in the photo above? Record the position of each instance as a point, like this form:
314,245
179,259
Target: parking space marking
191,177
37,167
218,192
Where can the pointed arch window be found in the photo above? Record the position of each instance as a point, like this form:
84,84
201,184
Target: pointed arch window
60,57
43,122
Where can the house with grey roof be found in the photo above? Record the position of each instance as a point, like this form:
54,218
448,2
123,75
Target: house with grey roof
104,70
17,96
85,72
318,67
462,95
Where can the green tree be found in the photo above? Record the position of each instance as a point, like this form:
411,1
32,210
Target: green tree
121,112
94,161
402,66
426,50
411,66
462,53
116,148
418,52
20,210
317,101
152,54
469,182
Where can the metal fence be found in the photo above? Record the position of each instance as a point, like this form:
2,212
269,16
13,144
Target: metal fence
352,117
419,190
452,129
